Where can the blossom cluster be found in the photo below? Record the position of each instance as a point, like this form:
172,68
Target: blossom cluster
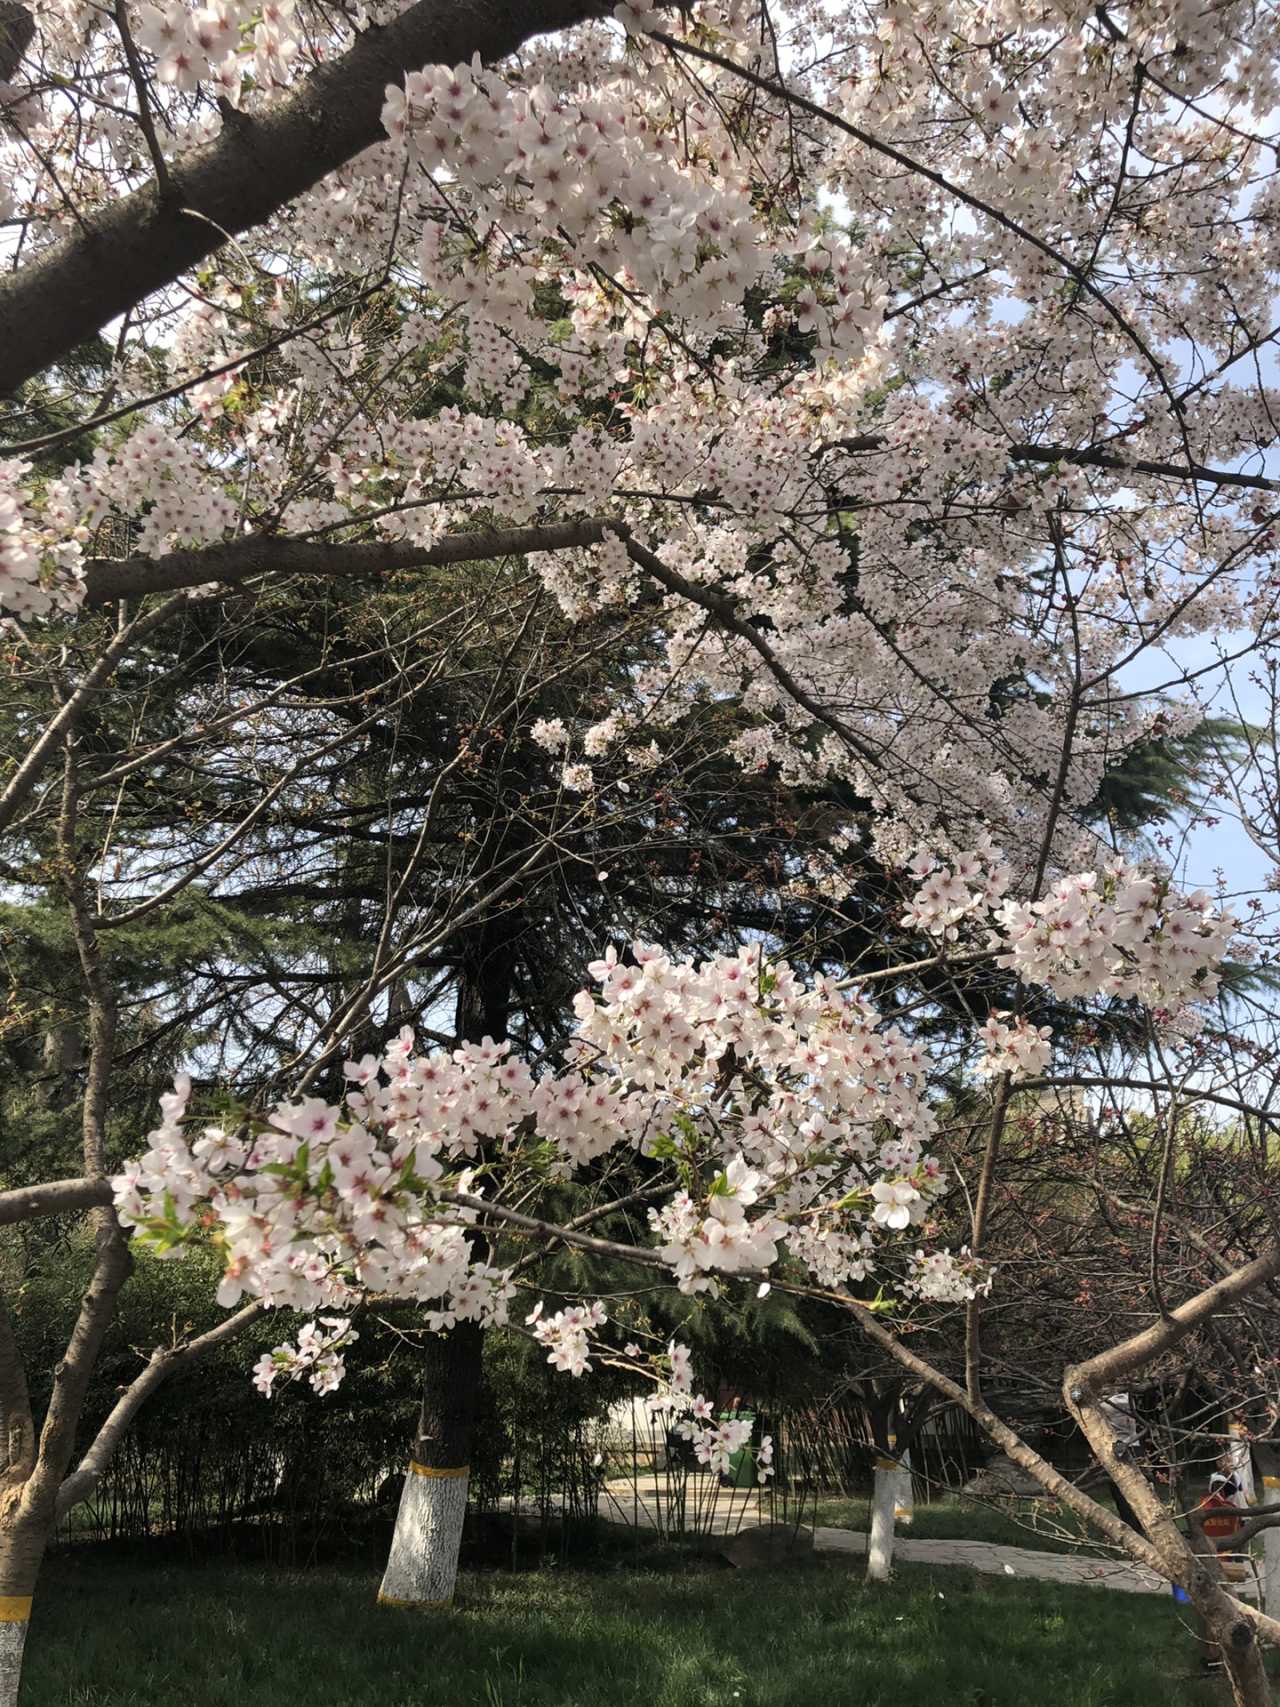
692,1417
947,1277
39,556
205,45
1019,1049
714,1441
310,1213
694,1243
773,1099
673,226
956,891
567,1334
1121,932
316,1355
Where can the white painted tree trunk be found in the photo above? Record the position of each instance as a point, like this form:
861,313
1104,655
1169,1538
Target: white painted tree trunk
904,1504
1242,1461
880,1541
423,1565
15,1610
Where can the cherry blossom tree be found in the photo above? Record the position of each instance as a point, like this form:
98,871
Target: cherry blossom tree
774,1100
906,367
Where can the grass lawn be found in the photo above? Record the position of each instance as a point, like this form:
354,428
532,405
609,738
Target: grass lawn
1040,1524
111,1631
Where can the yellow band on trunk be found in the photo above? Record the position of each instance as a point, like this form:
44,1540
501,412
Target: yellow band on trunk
414,1605
425,1470
15,1608
887,1464
1271,1481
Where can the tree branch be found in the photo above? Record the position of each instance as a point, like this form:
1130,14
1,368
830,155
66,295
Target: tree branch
42,748
141,242
163,1362
1110,1368
57,1197
110,578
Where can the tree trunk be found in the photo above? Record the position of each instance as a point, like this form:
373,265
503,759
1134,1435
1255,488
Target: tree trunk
22,1547
1233,1638
1241,1461
880,1541
1189,1560
423,1564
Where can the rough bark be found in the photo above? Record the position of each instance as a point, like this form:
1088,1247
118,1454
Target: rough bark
1191,1563
422,1567
57,1197
136,244
14,1621
1229,1634
423,1563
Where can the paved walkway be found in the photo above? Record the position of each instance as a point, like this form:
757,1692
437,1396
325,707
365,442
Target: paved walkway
728,1510
1025,1562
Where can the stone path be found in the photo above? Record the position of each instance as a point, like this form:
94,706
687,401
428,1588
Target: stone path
728,1511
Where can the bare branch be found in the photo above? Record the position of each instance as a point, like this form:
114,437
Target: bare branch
163,1362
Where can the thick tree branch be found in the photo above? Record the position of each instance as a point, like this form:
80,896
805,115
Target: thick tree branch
143,241
1092,456
1192,1562
110,578
1192,472
57,1197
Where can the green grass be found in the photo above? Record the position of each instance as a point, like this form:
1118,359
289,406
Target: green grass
109,1633
1040,1524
